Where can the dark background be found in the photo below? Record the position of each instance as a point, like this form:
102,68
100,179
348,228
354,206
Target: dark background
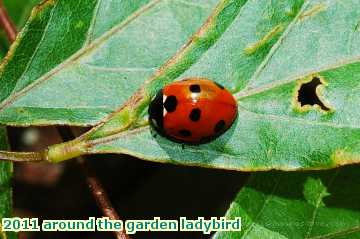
138,189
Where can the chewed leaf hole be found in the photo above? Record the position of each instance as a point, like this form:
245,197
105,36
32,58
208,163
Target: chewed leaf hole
308,94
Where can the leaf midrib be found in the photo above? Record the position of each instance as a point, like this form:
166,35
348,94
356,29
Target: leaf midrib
299,120
248,92
123,134
338,233
276,46
90,32
36,49
329,235
77,56
259,115
268,198
120,69
243,94
318,201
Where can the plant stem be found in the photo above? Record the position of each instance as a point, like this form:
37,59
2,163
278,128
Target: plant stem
7,24
23,156
64,151
96,188
100,195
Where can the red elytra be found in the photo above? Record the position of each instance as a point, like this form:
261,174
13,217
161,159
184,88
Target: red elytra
193,111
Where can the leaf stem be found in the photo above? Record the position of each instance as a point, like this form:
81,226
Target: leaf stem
100,195
95,186
23,156
67,150
7,24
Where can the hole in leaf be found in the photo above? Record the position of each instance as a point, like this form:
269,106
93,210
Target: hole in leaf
307,94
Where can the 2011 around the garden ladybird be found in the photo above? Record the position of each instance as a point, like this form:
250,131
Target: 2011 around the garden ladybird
192,111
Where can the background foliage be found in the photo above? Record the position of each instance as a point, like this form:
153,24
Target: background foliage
18,11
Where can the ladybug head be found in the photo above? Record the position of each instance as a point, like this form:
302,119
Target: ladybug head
156,111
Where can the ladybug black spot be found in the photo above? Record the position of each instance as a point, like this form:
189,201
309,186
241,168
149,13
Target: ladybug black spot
219,126
170,103
195,88
218,85
195,114
185,133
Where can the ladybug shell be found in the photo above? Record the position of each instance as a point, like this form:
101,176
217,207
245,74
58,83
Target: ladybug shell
192,111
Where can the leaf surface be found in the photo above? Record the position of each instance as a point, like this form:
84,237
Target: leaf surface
298,205
268,52
265,52
77,61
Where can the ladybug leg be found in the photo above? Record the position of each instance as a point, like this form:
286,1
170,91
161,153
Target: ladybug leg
153,133
183,146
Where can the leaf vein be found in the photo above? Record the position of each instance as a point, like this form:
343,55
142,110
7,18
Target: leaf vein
276,45
90,32
251,92
75,57
120,69
293,119
31,59
268,198
320,196
338,233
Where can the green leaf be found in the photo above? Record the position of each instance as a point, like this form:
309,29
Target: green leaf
77,61
19,11
265,52
6,170
265,56
298,205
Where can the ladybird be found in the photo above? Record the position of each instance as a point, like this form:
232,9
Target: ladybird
192,111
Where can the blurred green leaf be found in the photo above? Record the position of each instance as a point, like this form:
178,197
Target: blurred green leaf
298,205
5,184
19,11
